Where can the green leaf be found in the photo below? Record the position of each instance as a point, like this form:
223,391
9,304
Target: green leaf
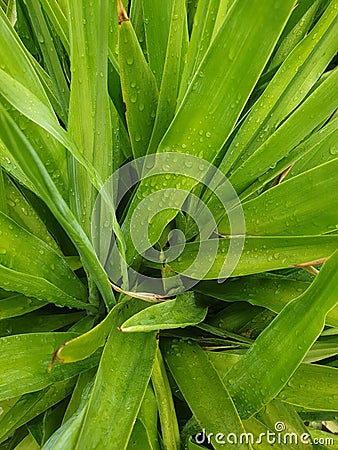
36,322
325,347
12,12
3,200
89,109
269,290
157,36
139,437
51,278
184,311
148,417
277,412
305,205
260,254
49,52
323,150
223,10
29,406
167,101
322,436
50,421
85,345
8,163
127,359
23,152
201,36
192,446
136,17
13,305
193,372
25,360
28,443
166,408
20,66
139,89
286,91
186,133
235,318
191,10
320,143
83,385
58,20
312,387
42,115
316,109
295,30
224,81
66,436
20,210
266,368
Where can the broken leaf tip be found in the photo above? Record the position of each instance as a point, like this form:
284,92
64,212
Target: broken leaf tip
123,17
56,357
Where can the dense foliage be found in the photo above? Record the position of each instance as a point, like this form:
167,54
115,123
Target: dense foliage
230,104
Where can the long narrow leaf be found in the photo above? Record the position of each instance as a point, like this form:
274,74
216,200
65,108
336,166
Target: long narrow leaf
120,385
276,354
25,360
212,407
23,151
260,254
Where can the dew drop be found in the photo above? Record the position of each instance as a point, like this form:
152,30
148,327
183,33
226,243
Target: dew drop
231,54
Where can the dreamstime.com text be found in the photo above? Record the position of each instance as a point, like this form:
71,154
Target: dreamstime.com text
279,436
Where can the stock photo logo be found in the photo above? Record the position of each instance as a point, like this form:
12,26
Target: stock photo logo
279,435
169,228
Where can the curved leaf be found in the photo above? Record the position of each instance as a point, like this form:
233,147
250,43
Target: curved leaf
30,258
182,312
25,360
266,368
127,359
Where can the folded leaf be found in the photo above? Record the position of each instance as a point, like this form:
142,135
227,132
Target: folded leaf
139,89
182,312
120,385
